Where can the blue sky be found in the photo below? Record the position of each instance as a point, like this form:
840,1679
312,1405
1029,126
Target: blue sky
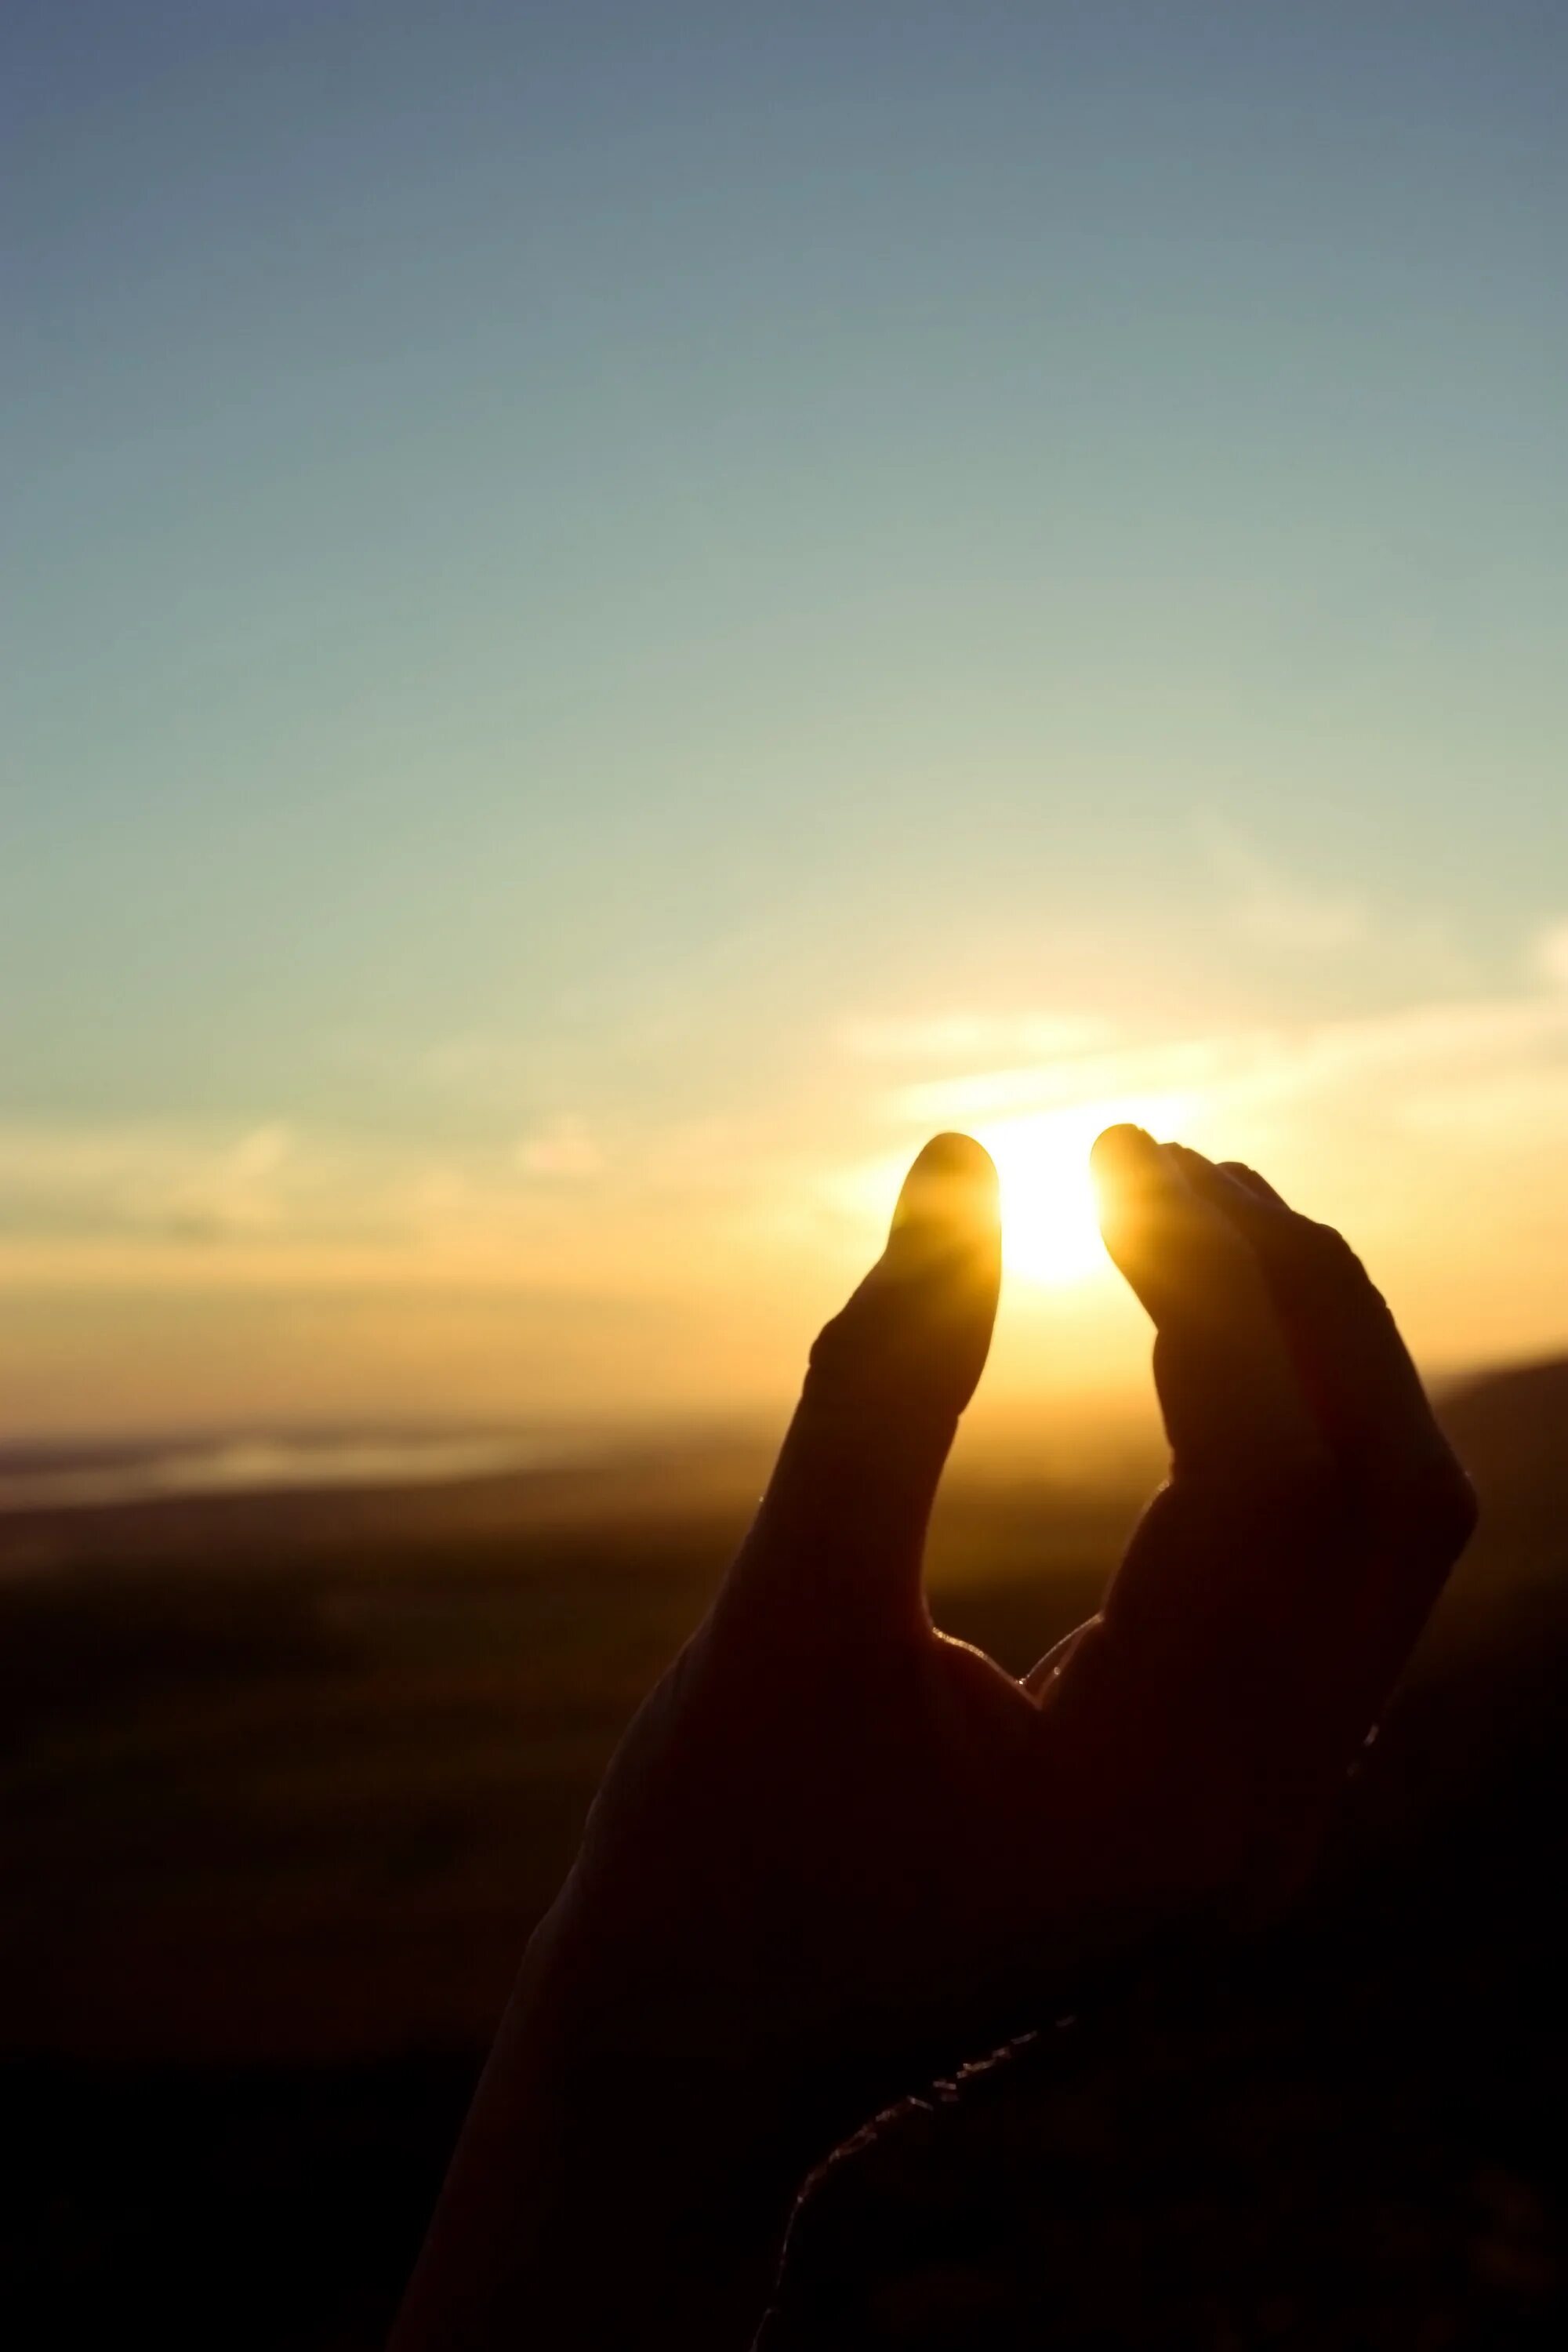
570,565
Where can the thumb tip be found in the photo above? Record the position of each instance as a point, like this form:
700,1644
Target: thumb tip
916,1332
952,1182
955,1155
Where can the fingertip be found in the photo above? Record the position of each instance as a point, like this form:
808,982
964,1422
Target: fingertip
1124,1153
921,1321
1162,1216
952,1186
955,1154
1138,1183
951,1157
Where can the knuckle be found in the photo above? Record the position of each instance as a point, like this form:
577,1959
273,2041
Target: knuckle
1322,1268
1309,1260
1332,1256
835,1342
855,1354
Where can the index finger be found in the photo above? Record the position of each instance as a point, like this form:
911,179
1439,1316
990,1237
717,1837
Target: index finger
1194,1702
1367,1394
1354,1366
1229,1387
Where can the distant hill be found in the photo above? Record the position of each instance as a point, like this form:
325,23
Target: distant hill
1510,1430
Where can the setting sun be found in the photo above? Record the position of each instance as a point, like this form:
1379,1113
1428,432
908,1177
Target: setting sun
1050,1230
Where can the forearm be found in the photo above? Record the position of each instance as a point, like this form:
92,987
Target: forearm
609,2189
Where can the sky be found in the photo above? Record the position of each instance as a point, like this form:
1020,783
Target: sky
616,612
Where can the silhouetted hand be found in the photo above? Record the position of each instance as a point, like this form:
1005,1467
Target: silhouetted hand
839,1852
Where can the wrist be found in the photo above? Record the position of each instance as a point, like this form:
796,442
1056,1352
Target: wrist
617,2181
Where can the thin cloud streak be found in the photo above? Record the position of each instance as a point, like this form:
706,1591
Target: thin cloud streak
739,1235
1450,1044
1273,910
961,1036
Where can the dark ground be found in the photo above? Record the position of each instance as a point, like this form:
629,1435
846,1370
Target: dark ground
287,1781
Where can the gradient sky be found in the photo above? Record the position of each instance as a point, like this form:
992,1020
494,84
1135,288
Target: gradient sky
615,610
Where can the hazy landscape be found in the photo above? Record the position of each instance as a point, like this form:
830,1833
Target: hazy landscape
290,1774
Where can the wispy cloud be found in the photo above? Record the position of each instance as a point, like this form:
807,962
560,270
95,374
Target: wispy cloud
176,1205
950,1037
1276,909
1551,954
147,1179
1161,1067
563,1148
1444,1047
1435,1132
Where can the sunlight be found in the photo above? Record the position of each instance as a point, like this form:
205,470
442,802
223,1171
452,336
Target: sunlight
1050,1231
1050,1226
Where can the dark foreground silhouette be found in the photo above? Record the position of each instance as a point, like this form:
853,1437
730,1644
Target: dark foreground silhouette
1404,2043
838,1851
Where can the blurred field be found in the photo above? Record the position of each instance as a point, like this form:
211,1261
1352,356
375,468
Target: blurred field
289,1778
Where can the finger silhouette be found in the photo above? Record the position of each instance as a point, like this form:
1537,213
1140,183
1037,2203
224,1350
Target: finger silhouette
1228,1386
1354,1367
1369,1402
1204,1673
841,1530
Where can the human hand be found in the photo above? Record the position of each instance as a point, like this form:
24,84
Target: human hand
838,1852
842,1849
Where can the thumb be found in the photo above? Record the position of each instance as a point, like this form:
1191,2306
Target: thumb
842,1525
913,1339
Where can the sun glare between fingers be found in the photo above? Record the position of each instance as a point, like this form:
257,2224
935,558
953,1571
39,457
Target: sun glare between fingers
1050,1225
